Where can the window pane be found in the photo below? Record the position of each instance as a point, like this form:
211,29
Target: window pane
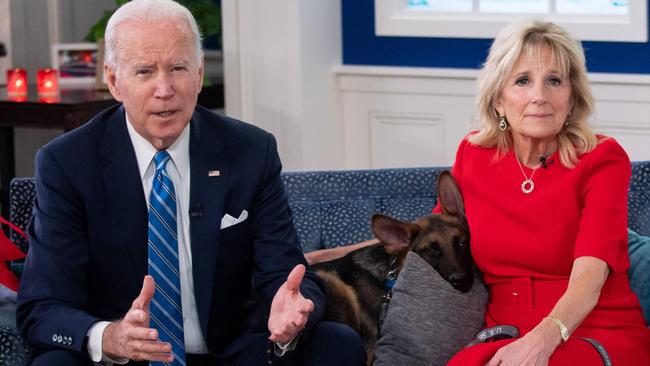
452,6
592,7
514,6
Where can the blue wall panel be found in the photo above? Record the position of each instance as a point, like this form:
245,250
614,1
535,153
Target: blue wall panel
362,47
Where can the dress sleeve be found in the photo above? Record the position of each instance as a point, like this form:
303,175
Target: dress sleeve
602,230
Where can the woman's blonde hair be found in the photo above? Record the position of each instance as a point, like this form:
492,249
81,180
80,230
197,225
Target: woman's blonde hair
530,36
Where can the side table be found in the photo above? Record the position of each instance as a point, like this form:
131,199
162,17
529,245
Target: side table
71,109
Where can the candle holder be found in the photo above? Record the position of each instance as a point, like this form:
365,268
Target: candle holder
16,83
47,83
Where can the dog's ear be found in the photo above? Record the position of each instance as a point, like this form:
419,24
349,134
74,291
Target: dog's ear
396,235
451,201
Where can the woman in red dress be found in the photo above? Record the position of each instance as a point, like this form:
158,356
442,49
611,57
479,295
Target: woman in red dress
546,202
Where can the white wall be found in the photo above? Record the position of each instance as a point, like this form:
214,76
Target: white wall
278,60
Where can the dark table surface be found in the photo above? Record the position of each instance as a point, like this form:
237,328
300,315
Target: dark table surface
69,109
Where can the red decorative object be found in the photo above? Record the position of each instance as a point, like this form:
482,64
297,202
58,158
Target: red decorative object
47,82
9,252
16,83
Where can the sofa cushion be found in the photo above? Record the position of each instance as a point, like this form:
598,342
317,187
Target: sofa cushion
22,192
307,220
639,273
408,208
13,350
428,321
347,222
639,198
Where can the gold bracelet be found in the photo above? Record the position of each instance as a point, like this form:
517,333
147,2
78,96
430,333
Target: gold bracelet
564,331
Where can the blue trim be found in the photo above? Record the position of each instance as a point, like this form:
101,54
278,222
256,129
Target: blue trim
362,47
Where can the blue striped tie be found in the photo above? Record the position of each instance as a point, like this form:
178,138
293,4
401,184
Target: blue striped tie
165,308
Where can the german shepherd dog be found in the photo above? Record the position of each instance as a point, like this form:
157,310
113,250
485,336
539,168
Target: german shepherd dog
356,291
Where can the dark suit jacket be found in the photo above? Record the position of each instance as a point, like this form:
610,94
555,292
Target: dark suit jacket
88,237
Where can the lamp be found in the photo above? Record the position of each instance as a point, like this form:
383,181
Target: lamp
47,83
16,83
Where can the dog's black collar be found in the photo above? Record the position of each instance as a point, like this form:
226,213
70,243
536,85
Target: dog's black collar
391,278
389,283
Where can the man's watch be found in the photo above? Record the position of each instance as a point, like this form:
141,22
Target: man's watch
564,331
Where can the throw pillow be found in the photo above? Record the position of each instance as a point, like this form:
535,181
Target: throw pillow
428,321
639,273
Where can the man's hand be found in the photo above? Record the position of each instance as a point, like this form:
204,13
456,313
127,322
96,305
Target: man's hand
131,336
289,310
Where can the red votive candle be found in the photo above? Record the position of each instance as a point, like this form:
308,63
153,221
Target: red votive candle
16,82
47,82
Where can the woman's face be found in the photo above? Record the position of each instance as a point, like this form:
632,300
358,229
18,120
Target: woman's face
536,98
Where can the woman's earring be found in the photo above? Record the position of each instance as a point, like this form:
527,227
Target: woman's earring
503,123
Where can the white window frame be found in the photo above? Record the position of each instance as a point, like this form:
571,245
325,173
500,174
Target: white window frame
394,18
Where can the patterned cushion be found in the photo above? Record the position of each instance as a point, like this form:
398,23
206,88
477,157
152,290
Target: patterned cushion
333,208
640,269
309,231
404,193
13,350
408,209
22,193
639,198
346,222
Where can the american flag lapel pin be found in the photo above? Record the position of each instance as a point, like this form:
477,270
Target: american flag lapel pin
213,173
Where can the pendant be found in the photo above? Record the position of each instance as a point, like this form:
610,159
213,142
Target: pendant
527,186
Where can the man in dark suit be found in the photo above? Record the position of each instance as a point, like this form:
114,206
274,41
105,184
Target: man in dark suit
91,289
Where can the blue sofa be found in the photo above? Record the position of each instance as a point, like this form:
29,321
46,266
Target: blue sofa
333,208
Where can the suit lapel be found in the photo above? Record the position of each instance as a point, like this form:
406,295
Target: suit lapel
124,192
207,189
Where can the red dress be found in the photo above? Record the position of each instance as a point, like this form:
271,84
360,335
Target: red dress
525,244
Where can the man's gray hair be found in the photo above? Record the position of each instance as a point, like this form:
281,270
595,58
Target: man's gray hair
150,11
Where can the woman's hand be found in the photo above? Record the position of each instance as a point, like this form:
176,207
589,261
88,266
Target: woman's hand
533,349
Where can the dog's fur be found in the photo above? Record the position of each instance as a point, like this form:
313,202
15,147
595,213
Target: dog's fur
355,282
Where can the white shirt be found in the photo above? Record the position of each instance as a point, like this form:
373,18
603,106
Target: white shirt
178,169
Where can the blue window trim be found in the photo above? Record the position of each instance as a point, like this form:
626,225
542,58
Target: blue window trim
362,47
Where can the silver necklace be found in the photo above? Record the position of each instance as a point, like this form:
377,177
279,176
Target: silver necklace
527,185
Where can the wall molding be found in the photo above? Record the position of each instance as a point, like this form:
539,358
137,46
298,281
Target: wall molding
278,58
369,93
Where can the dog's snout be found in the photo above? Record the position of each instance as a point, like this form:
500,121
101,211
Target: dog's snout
460,281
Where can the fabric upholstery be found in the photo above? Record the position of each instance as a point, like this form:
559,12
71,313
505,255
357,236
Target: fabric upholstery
639,198
428,321
13,350
403,193
333,208
22,193
640,268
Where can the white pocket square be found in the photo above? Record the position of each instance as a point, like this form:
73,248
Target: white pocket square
228,221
